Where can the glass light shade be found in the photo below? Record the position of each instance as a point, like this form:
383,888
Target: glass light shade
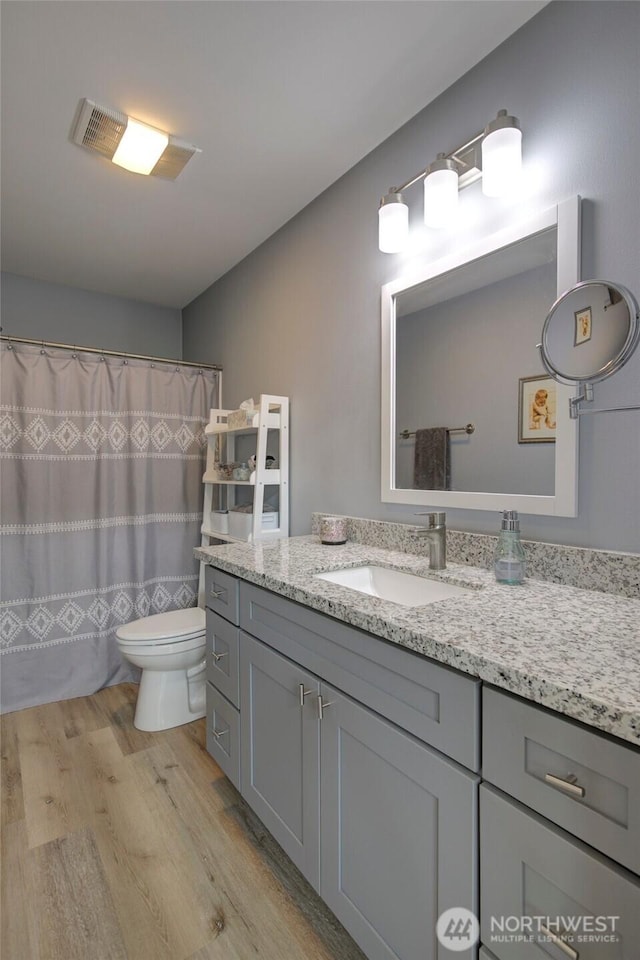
440,197
501,161
140,148
393,225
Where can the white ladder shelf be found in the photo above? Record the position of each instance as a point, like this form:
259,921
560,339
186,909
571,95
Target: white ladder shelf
272,415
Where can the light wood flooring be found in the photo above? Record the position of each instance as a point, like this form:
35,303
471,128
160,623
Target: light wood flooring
122,844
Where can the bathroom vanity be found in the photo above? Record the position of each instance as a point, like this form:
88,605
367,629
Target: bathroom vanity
478,752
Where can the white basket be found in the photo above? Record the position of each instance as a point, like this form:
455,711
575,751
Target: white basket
240,523
220,521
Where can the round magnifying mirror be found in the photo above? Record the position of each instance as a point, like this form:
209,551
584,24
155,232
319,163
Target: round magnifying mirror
590,332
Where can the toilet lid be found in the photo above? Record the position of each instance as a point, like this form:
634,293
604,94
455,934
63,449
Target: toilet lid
174,625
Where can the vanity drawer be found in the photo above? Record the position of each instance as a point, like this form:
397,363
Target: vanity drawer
221,593
533,870
436,704
223,646
223,734
534,755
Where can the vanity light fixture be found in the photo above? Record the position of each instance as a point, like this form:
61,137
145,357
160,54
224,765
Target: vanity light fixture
501,155
493,155
440,191
393,223
130,143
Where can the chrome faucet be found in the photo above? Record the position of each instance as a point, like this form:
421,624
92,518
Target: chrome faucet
436,533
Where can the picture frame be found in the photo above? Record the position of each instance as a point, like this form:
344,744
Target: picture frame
582,326
536,410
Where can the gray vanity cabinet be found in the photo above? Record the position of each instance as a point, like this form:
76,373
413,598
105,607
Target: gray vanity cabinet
280,751
397,830
363,760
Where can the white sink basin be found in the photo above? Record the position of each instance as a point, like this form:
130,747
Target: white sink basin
394,585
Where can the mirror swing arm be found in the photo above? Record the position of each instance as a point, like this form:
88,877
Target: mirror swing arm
586,396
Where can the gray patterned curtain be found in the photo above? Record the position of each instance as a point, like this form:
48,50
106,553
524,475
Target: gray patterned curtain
101,466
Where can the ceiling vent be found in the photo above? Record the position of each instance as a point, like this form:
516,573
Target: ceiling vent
175,157
100,129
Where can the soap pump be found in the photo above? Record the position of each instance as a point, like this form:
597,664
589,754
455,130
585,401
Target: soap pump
509,558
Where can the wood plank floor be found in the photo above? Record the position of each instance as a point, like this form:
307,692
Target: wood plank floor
123,845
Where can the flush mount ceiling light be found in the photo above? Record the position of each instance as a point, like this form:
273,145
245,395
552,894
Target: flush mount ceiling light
493,155
130,143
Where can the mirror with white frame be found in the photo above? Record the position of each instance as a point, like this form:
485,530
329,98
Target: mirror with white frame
470,417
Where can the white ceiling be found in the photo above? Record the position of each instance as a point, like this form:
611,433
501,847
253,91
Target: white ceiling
283,98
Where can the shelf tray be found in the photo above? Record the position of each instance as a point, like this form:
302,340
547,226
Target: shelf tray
272,422
272,478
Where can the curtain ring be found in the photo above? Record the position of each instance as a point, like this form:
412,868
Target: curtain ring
42,350
125,363
74,355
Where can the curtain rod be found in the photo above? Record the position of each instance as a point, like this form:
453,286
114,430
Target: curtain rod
109,353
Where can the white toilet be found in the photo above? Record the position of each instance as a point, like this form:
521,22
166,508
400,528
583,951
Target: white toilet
170,649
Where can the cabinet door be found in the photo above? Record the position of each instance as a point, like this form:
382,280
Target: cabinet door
222,656
546,896
221,594
399,833
573,775
223,734
280,751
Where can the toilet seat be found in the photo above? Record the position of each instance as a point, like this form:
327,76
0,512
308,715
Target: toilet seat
160,629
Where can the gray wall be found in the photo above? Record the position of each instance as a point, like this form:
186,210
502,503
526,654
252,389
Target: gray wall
52,311
450,373
301,315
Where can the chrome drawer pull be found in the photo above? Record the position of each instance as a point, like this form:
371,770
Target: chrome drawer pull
569,784
219,733
559,943
322,706
303,693
219,656
217,593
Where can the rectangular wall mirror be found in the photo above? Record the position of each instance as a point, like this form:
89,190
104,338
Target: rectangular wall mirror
459,347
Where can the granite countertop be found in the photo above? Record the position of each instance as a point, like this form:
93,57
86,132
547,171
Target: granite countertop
574,651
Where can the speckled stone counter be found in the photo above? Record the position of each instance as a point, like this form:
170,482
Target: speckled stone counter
574,651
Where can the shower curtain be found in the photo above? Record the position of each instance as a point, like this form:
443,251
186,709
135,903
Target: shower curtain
101,463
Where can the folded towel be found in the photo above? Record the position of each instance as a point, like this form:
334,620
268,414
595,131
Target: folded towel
431,465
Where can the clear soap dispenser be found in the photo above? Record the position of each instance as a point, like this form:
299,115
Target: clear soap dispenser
509,559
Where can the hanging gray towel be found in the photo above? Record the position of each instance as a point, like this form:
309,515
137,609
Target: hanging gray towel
431,465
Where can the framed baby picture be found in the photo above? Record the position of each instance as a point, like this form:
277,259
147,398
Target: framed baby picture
536,410
583,326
